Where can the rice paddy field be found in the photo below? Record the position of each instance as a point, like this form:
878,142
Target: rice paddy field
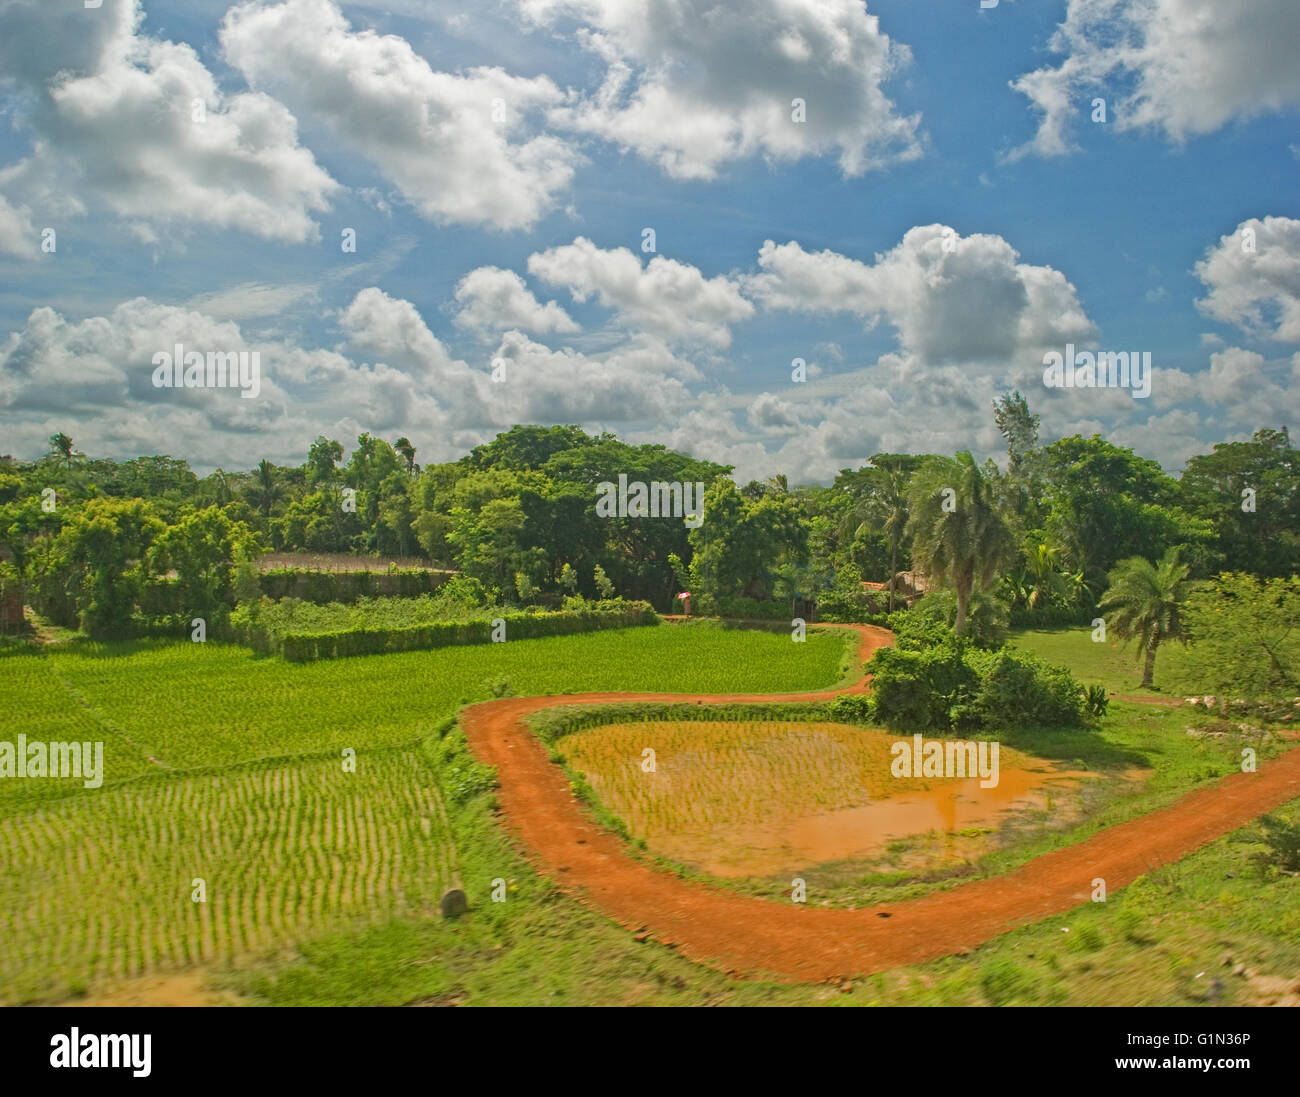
322,885
102,887
749,802
228,767
757,797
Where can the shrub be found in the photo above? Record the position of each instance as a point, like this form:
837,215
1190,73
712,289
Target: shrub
1020,690
987,620
604,587
950,686
851,708
1283,841
919,689
1095,702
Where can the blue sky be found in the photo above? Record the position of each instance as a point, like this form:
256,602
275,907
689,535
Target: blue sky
947,213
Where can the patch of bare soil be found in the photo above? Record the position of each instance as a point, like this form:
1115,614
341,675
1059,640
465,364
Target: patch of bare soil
183,989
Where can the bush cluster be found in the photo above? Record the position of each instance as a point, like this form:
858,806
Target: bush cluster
951,685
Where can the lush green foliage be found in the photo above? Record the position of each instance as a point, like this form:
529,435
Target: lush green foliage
1245,638
1263,538
303,632
931,621
519,515
960,535
950,686
1144,603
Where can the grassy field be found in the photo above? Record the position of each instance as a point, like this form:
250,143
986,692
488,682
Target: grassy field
208,704
228,767
100,887
330,901
1107,662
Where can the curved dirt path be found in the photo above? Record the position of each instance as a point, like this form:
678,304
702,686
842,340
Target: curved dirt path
756,937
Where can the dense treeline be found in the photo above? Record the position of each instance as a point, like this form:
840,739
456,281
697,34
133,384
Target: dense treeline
1038,539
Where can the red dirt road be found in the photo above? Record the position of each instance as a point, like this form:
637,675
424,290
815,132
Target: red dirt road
803,942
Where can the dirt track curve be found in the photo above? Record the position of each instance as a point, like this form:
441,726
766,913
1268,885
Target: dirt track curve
760,938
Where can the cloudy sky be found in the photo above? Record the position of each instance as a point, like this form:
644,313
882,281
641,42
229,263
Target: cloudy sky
646,210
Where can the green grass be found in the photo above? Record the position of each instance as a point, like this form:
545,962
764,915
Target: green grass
212,704
98,886
95,884
1107,663
247,789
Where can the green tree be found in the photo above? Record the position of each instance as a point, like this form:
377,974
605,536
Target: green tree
203,548
1250,493
265,490
1105,503
880,502
1019,427
61,448
101,554
322,458
1243,637
1144,603
407,453
960,537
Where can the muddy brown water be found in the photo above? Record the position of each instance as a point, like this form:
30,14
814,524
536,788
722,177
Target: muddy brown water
958,812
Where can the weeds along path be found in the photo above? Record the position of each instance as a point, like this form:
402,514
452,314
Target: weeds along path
752,937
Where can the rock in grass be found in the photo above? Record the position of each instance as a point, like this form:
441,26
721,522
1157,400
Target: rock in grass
454,903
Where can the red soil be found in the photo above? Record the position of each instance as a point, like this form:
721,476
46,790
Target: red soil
803,942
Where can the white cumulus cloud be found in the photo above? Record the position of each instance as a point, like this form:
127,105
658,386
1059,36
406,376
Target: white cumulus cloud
459,147
694,84
1181,67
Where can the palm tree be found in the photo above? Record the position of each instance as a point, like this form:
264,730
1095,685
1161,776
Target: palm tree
796,581
1146,602
61,446
960,538
880,491
407,452
265,490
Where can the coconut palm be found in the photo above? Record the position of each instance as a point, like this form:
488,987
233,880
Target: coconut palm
1144,603
960,537
881,504
407,452
61,447
266,488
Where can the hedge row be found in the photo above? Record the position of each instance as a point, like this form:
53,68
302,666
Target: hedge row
349,586
1052,617
308,647
162,597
